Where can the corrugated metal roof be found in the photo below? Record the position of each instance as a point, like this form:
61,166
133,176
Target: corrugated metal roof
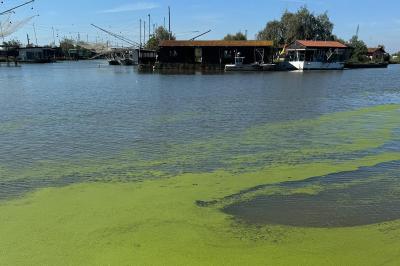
215,43
322,44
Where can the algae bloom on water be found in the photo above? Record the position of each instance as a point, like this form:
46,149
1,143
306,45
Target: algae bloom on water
180,170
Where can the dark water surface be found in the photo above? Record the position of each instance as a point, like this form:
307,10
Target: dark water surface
57,116
368,195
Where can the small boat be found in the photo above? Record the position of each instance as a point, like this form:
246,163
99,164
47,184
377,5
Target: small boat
126,59
240,66
113,61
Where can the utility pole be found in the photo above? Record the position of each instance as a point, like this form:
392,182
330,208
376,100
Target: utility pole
54,36
144,33
169,22
34,31
140,34
149,26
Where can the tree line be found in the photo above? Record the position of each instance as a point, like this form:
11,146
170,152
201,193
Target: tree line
305,25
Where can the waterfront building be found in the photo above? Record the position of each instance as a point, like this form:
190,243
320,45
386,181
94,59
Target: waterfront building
317,55
378,54
211,55
36,55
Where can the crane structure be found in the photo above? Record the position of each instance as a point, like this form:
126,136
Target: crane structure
16,7
117,36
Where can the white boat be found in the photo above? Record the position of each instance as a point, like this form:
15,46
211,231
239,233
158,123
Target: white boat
307,65
317,55
240,66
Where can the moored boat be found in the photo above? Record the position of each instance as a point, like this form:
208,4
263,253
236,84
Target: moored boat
240,66
317,55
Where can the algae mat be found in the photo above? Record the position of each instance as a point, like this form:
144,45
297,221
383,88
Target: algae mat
133,210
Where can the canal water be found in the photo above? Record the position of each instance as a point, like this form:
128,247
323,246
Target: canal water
298,150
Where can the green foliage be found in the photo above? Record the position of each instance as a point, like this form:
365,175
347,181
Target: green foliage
302,25
395,58
66,45
360,50
13,43
239,36
159,35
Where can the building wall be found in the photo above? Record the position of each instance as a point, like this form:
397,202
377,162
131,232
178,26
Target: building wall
211,55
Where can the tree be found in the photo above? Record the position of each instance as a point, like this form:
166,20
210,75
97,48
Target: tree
360,50
274,31
302,25
66,45
239,36
159,35
13,43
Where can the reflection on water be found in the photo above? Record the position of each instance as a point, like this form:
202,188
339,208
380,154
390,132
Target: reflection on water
365,196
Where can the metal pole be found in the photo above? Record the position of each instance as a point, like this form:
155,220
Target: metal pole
169,22
34,31
149,26
140,34
54,37
144,31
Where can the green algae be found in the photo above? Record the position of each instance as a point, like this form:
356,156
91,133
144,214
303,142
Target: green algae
157,221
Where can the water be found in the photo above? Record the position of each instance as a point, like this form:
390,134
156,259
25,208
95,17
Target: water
77,122
366,196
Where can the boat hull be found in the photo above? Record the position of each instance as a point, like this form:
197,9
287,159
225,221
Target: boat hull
243,68
303,65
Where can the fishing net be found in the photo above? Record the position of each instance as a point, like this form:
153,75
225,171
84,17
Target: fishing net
8,27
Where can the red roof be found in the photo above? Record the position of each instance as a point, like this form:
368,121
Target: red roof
322,44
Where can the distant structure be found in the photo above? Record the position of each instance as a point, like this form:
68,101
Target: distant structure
36,55
378,54
210,55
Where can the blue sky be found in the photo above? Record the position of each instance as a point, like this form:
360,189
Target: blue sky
379,20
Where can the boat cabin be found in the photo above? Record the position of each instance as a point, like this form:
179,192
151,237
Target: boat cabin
314,55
